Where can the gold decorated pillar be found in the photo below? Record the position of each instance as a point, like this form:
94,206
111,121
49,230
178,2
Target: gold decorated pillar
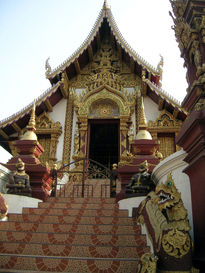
123,135
83,131
53,147
68,130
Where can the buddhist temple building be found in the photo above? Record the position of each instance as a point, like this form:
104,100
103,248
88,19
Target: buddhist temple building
106,106
93,102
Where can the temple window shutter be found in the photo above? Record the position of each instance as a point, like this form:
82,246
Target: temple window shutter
167,144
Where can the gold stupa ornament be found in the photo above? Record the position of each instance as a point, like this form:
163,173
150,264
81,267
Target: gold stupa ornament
31,127
143,133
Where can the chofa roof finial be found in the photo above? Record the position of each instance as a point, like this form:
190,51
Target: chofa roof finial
47,67
105,5
160,68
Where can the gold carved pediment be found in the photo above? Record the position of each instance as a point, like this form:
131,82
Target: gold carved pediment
165,120
45,123
104,109
165,128
106,68
114,97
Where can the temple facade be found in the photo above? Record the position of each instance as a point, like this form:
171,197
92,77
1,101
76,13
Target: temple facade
106,103
93,106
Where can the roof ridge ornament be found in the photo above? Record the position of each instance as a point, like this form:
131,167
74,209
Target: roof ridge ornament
160,68
47,67
105,12
105,5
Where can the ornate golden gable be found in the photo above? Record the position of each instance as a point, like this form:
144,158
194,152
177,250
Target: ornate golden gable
165,128
106,69
165,122
100,95
44,123
48,133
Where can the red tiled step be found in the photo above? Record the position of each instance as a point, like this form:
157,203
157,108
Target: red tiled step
72,250
75,200
68,205
71,235
74,212
73,238
67,264
71,219
70,228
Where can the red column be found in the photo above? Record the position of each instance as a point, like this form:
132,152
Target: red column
192,139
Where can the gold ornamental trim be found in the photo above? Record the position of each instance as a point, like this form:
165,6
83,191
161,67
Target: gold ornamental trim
165,122
68,130
84,106
125,162
168,127
176,243
48,133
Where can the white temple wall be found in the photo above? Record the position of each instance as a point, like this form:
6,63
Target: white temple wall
23,202
58,114
151,109
175,164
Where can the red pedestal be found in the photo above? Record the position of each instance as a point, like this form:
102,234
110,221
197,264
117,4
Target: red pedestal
142,150
40,180
192,139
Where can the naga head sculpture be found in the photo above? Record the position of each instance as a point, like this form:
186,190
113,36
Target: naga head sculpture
168,195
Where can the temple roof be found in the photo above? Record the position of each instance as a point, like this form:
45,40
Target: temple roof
105,17
71,67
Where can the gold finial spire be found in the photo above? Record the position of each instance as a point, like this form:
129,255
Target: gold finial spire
32,121
143,121
143,133
105,5
31,127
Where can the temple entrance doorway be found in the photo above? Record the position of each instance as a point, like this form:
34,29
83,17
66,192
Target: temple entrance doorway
104,141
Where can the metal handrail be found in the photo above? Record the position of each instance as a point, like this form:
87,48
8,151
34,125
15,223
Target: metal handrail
84,172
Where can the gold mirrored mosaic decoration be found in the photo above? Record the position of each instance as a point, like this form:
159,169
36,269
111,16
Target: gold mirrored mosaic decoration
104,109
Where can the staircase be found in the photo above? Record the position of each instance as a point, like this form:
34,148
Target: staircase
99,188
67,234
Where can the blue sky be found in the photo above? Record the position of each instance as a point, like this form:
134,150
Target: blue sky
33,30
